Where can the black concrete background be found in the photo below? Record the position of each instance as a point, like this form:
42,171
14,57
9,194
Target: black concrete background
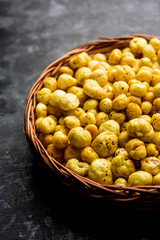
33,33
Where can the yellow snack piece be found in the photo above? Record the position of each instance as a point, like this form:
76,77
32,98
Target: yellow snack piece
156,104
144,75
158,56
153,111
99,57
80,168
78,91
156,65
56,96
61,128
90,104
127,54
61,120
156,90
120,102
71,122
54,110
101,117
66,69
152,150
115,56
79,60
93,64
100,76
155,42
94,90
123,138
60,140
123,152
124,73
88,155
54,118
100,171
118,116
65,81
140,178
146,107
72,152
87,118
137,45
129,60
123,126
105,105
136,149
138,90
145,61
41,110
149,97
50,83
92,129
146,117
156,138
112,73
75,112
155,77
133,81
110,125
121,182
45,125
156,179
151,165
103,65
156,121
121,167
82,74
43,95
109,90
69,102
133,110
120,87
94,111
46,139
105,144
140,128
56,153
79,137
126,50
148,51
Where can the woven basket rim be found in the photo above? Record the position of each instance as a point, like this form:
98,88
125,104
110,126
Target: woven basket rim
67,176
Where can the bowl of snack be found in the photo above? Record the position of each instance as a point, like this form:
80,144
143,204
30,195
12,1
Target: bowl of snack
94,118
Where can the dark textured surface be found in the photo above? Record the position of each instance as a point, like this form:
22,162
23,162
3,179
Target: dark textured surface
33,33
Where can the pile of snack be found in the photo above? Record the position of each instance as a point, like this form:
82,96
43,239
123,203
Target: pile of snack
100,116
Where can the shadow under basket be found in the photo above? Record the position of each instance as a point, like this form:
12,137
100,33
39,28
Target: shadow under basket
129,198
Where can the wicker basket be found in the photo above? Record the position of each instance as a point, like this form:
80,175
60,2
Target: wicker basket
141,197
